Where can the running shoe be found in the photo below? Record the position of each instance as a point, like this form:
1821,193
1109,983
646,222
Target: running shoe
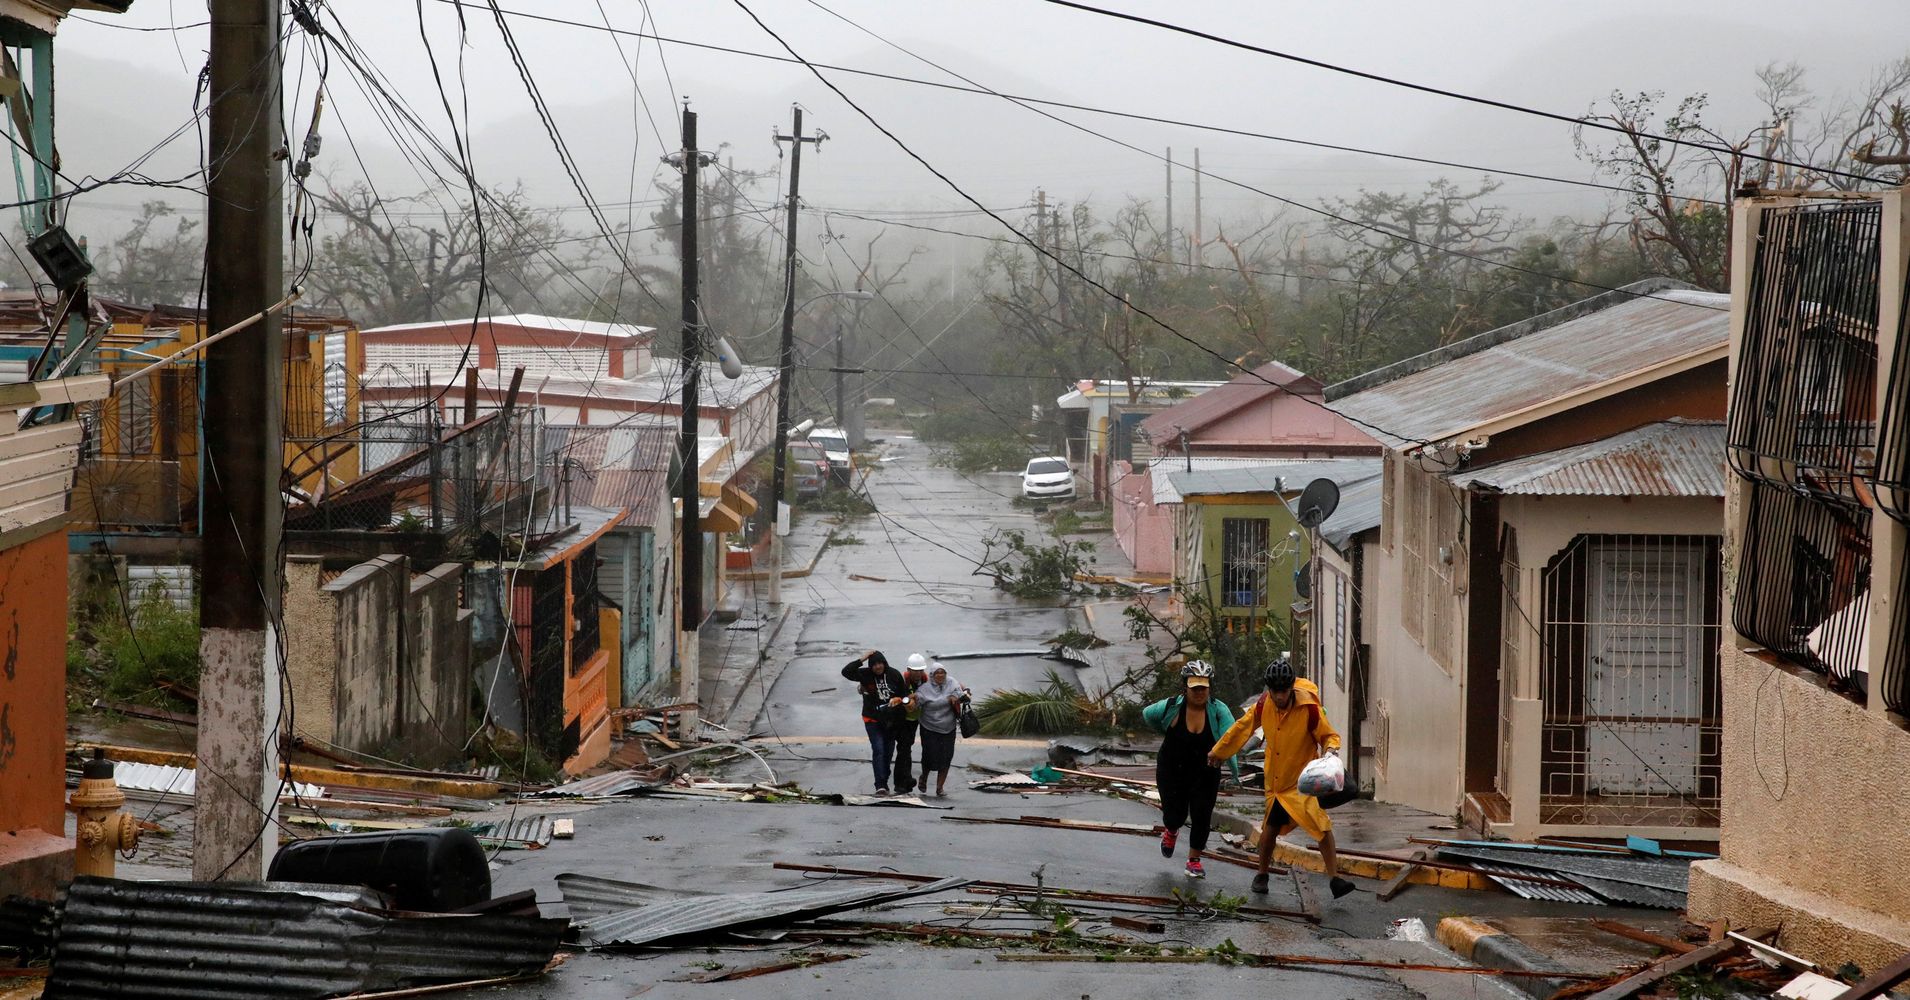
1260,883
1340,886
1194,870
1168,839
881,791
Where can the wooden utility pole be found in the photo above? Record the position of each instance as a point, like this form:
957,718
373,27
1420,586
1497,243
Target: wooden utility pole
1041,237
689,474
787,372
240,707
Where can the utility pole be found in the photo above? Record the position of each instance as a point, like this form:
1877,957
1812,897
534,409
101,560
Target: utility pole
778,477
236,804
1170,203
1199,236
1041,236
842,408
859,391
689,476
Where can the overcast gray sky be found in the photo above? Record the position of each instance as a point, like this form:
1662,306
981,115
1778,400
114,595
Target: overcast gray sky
122,91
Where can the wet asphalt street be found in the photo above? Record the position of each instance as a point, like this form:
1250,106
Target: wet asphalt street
909,586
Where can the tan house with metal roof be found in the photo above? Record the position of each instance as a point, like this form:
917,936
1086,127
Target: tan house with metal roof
1540,617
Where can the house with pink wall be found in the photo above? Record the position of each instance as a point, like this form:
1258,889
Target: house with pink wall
1273,413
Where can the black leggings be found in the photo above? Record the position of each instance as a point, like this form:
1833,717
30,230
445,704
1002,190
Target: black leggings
1188,794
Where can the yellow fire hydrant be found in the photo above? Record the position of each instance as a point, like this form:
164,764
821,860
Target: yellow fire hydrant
103,830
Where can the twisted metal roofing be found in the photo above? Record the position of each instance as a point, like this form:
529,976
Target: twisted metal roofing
660,922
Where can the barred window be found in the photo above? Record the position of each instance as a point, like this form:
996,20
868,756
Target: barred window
1243,562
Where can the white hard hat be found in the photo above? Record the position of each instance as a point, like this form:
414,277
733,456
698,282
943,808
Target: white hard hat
918,662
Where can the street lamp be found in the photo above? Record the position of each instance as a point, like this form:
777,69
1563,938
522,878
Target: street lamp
780,525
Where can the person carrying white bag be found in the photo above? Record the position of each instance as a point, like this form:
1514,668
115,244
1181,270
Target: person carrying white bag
1297,735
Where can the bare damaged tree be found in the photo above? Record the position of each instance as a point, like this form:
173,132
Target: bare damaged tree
1852,139
420,257
1678,221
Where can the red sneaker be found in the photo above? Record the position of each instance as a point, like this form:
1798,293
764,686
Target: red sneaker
1194,870
1168,839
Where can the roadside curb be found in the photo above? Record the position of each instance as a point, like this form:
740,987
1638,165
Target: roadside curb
749,678
1480,942
1297,856
793,574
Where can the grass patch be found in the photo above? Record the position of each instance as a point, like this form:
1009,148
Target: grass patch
835,540
111,657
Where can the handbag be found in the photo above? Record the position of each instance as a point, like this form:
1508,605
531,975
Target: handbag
969,723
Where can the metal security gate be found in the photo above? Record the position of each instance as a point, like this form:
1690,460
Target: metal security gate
626,581
1629,679
1243,562
1644,655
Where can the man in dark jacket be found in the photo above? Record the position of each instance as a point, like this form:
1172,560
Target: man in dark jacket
885,696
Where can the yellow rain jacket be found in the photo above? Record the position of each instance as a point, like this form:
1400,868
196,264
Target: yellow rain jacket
1294,738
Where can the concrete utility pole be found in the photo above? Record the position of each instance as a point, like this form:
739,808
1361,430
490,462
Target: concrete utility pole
240,706
690,558
1199,236
859,393
1041,237
787,368
1170,203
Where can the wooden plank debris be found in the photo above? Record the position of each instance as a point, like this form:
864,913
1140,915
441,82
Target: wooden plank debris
1404,876
1661,970
1252,958
1138,924
804,962
1880,981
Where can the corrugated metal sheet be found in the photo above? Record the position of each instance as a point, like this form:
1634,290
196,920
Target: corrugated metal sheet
518,831
1359,510
590,897
603,785
1671,874
687,918
1674,458
1172,486
1627,894
209,942
1444,393
160,782
1505,875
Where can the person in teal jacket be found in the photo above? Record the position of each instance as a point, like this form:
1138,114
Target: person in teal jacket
1189,723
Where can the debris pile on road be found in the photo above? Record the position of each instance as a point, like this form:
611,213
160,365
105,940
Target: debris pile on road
1588,874
1729,964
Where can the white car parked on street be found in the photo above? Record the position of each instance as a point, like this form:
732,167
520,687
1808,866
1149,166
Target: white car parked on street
1047,479
836,445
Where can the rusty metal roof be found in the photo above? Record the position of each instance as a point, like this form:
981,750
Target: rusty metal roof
1440,395
1674,458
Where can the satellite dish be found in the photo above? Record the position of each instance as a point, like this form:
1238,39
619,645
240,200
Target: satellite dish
1318,502
1303,580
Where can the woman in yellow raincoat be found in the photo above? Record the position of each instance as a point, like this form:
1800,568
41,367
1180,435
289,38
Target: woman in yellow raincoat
1296,732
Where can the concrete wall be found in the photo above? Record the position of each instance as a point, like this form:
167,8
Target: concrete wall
1815,814
380,659
1418,719
311,657
1144,531
438,670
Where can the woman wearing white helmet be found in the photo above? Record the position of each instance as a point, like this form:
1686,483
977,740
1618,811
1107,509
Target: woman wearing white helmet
1189,723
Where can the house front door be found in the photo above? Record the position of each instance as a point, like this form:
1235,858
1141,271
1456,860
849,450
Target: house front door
1644,661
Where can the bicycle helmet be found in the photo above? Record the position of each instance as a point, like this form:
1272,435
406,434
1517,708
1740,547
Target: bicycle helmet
1197,673
1280,674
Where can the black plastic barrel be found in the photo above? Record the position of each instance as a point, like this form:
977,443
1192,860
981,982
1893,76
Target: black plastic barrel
435,870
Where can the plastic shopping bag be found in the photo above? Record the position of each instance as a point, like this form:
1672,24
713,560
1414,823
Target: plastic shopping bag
1324,776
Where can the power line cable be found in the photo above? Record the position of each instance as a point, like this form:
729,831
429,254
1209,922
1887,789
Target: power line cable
1573,120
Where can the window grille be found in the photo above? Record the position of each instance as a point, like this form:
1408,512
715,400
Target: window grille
1896,667
1803,587
1629,681
1892,482
1804,411
1803,431
337,407
1243,562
